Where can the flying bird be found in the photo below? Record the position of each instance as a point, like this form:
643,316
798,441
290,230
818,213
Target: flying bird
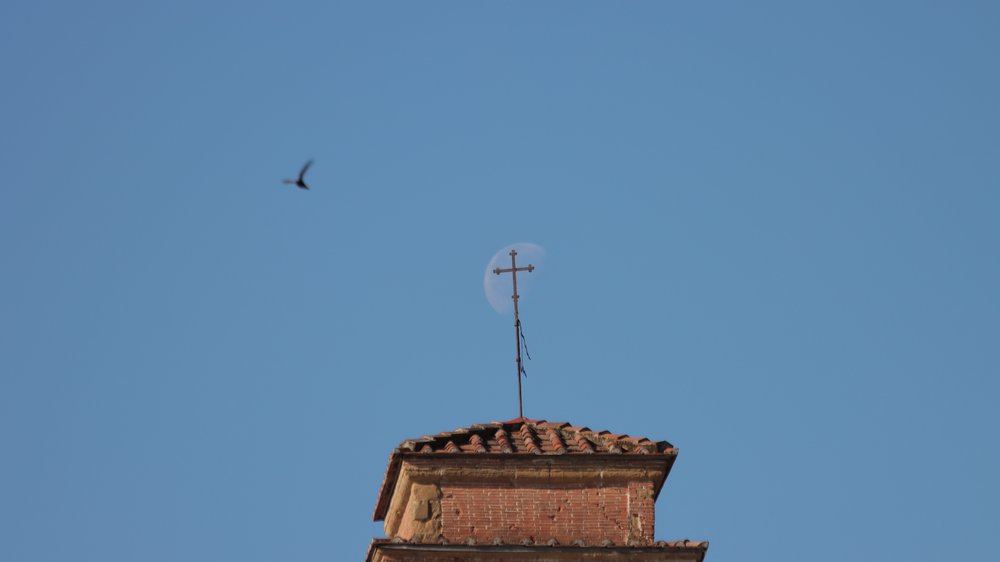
301,182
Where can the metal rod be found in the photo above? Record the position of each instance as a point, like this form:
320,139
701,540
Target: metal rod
517,335
517,322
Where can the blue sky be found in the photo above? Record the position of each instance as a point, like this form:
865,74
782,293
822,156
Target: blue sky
771,234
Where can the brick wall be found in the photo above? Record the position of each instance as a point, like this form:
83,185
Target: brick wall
485,511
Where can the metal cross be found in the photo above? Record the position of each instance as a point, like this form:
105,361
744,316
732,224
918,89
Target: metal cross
513,269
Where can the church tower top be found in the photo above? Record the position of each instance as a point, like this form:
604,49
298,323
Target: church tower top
527,484
521,436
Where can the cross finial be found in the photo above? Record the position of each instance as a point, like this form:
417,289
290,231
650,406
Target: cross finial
513,269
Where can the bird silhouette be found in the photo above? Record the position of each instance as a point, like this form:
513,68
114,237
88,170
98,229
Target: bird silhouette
301,182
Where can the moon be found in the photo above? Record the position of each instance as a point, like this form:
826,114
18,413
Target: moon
500,288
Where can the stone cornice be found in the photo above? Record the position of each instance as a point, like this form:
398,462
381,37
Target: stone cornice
674,551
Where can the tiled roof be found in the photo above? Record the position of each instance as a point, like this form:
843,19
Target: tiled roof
536,437
519,436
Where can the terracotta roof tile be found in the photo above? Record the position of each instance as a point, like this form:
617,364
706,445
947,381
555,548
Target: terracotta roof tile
528,439
503,442
538,437
558,447
477,443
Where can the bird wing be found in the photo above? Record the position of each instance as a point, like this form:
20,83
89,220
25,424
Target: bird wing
304,168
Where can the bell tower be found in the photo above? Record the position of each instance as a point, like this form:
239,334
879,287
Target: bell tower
525,490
